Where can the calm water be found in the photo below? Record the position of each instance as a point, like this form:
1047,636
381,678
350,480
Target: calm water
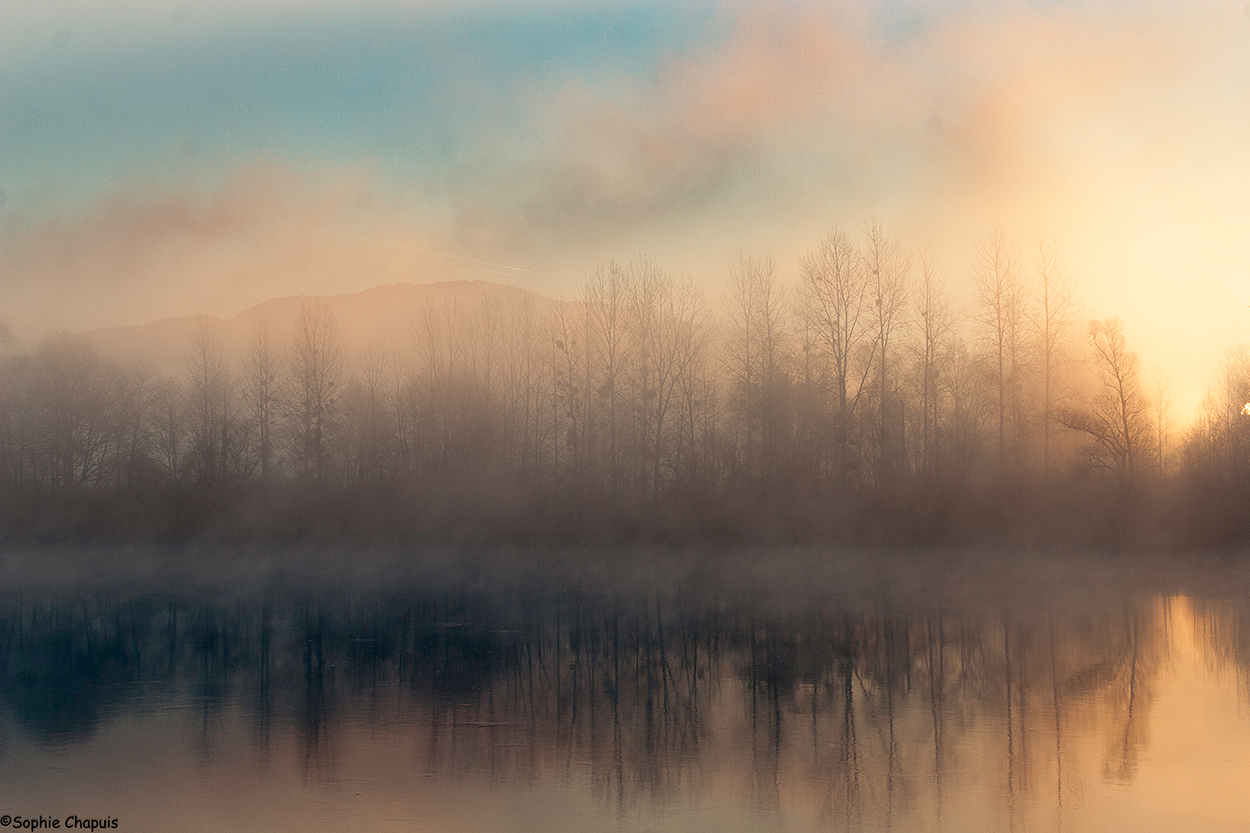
1083,702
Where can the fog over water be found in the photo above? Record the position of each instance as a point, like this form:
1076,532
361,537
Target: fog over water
561,415
627,690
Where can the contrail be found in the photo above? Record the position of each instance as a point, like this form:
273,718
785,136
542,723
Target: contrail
415,249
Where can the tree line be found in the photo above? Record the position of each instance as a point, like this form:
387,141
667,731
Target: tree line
862,401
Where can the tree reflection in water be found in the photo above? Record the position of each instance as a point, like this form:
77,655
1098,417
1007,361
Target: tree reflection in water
863,716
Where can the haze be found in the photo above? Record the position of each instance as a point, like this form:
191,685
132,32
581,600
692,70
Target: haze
608,415
173,160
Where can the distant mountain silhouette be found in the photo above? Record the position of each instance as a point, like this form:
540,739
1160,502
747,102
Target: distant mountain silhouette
381,315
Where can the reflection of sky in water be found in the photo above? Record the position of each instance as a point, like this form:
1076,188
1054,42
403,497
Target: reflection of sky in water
594,713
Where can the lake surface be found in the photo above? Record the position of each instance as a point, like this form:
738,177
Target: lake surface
873,694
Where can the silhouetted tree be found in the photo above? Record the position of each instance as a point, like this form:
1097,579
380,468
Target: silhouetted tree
835,306
317,358
169,423
1161,417
263,390
209,396
998,305
523,381
886,268
1056,314
1217,444
931,347
667,317
133,407
368,412
68,398
1117,415
605,296
755,361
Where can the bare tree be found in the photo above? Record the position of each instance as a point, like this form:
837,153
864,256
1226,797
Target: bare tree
936,319
67,398
370,415
441,355
208,403
485,358
522,369
605,296
1118,415
754,358
263,389
886,268
698,393
834,304
997,308
404,396
169,423
1217,444
570,398
1056,314
12,435
1161,415
668,315
971,412
132,401
317,359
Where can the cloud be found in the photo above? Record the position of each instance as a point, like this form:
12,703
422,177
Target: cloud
143,250
801,110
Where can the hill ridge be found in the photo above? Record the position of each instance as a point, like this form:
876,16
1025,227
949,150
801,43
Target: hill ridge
374,314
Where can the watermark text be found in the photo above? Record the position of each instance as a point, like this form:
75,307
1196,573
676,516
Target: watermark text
58,822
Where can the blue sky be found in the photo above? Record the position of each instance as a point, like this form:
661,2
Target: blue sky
415,93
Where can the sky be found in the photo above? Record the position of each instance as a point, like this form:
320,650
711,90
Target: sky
175,158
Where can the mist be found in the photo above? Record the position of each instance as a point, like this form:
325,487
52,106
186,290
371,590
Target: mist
862,407
769,415
692,135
